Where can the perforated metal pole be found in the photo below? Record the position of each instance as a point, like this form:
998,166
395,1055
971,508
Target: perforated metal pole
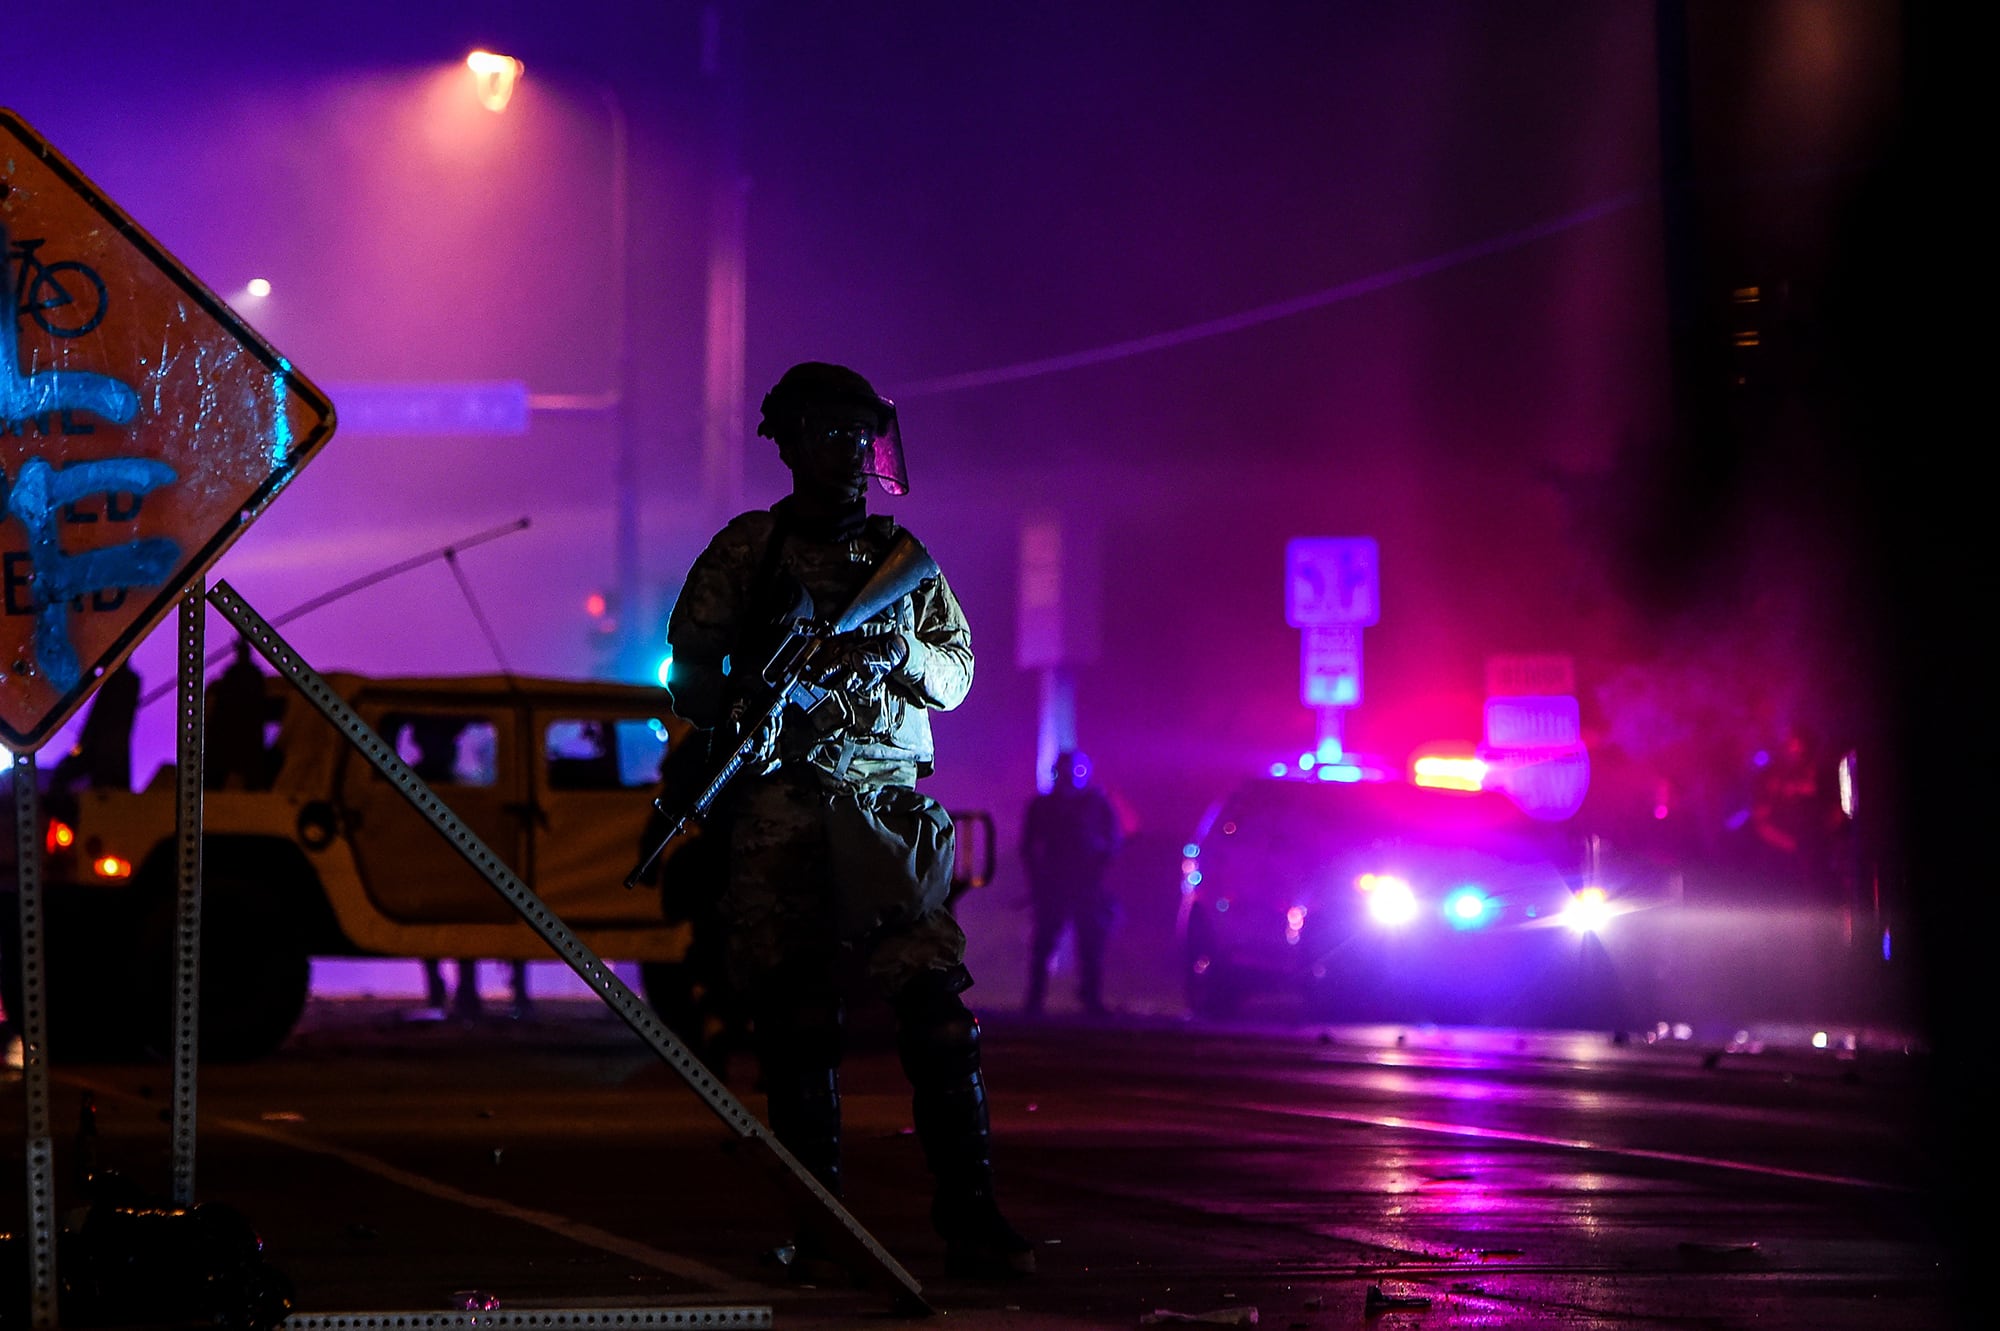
537,1319
33,1019
187,905
806,1189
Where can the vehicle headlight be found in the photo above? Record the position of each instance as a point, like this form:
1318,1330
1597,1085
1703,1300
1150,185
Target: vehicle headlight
1588,911
1390,900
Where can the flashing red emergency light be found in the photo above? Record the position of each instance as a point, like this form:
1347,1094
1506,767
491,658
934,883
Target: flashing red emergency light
1449,771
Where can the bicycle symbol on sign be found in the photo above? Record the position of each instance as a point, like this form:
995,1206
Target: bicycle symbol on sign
66,298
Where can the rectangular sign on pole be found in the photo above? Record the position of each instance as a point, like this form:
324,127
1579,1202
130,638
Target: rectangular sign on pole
1517,675
1332,580
1533,723
1330,667
482,408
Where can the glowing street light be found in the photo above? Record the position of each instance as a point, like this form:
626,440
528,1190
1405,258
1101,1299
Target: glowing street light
494,78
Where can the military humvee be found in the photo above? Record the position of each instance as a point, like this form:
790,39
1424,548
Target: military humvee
326,858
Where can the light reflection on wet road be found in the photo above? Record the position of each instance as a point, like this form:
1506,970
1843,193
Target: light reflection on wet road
1532,1180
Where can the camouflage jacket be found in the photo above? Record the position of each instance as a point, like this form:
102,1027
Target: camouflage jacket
714,619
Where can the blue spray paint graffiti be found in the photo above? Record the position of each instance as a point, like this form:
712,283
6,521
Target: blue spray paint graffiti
39,493
35,499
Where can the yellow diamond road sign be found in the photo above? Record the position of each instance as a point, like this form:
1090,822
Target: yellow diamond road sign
143,425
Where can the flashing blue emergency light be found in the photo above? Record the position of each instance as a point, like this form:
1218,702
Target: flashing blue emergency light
1469,908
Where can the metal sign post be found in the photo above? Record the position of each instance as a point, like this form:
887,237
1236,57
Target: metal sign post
187,905
34,1022
815,1203
538,1319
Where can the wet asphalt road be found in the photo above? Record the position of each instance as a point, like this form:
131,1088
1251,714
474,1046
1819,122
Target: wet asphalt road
1510,1179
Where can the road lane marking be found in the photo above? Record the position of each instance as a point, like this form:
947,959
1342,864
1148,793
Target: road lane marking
1532,1139
576,1231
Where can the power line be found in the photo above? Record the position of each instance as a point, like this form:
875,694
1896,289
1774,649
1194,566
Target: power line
1283,309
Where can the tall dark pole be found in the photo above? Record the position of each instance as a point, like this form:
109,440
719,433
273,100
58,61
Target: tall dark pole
722,426
1679,536
625,534
1679,214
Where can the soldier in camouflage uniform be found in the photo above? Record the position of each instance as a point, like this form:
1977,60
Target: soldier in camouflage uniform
832,849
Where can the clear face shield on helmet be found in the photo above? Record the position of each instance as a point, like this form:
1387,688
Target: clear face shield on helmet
874,434
1072,769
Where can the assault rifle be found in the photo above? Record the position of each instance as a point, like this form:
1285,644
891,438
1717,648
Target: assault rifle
791,675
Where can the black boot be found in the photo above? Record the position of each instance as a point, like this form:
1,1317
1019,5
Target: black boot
953,1125
805,1117
938,1039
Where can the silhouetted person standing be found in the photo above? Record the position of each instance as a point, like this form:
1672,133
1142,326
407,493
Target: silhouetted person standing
1068,839
233,744
1795,815
836,862
102,757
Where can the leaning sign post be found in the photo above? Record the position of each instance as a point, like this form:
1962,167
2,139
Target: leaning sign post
143,426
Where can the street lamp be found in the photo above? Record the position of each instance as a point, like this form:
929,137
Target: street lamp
494,77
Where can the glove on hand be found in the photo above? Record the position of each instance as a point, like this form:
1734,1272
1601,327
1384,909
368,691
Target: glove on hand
858,662
762,758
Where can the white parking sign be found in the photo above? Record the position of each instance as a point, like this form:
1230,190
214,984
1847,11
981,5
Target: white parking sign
1332,580
1330,667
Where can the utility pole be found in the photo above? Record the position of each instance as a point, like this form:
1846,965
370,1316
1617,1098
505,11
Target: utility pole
723,375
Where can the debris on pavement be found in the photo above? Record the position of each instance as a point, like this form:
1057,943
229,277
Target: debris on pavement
1243,1316
1380,1301
1720,1256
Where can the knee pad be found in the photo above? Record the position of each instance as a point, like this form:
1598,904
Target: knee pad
937,1036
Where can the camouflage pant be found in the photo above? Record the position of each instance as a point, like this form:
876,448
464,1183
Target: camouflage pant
780,906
